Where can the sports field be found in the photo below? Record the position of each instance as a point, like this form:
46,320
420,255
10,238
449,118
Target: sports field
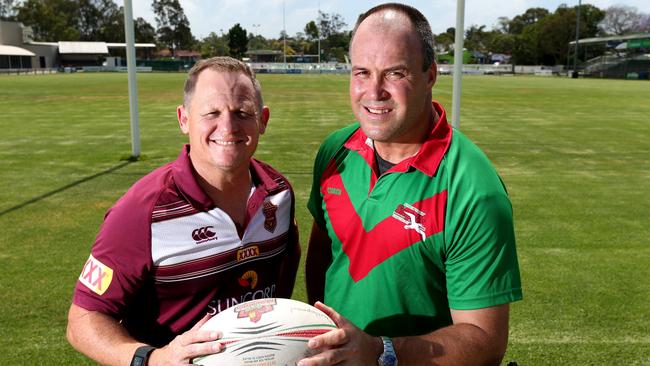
575,155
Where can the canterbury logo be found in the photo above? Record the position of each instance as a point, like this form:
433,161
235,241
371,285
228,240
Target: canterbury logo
203,234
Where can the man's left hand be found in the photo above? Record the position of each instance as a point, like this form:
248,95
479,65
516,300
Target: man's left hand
346,345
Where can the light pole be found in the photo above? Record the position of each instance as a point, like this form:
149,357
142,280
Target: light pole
318,32
284,36
256,26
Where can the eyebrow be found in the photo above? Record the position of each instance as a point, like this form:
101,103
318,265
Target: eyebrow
391,68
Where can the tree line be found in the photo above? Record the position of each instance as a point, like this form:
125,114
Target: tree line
537,36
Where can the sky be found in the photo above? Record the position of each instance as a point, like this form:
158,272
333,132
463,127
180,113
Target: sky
265,17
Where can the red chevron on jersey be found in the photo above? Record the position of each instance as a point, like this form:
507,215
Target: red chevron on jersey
367,249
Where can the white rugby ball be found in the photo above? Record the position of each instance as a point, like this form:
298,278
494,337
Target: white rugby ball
265,332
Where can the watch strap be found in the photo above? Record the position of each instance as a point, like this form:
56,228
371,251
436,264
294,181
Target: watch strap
141,356
388,357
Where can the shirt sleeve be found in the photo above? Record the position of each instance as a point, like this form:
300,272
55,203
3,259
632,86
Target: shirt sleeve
120,259
481,259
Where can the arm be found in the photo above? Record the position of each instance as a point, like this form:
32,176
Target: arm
319,257
289,268
477,337
103,339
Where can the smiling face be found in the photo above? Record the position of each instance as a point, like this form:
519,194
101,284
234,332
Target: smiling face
389,93
223,120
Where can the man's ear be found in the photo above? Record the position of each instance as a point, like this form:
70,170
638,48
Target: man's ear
264,119
432,74
182,116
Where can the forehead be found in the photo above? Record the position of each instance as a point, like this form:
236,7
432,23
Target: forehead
386,35
224,85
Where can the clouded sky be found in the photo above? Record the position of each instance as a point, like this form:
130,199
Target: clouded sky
266,16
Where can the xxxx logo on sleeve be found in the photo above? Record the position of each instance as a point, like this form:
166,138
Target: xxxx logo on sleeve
96,275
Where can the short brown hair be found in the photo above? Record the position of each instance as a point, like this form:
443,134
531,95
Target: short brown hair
220,64
419,22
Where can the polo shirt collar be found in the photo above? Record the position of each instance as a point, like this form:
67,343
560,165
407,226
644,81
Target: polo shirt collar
184,176
426,160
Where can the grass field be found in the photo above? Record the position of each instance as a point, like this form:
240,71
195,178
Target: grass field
575,155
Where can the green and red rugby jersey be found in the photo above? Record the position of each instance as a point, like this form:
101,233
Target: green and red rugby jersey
432,233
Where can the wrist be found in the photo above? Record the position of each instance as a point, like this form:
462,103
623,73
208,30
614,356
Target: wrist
141,355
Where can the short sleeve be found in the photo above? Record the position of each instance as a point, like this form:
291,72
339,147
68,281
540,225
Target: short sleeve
481,263
120,259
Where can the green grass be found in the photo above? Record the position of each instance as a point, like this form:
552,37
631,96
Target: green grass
575,155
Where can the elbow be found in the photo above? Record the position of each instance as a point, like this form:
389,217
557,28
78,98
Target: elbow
71,334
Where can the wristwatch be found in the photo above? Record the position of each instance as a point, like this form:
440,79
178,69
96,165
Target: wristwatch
388,358
141,355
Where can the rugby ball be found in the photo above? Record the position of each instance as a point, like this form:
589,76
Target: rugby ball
271,331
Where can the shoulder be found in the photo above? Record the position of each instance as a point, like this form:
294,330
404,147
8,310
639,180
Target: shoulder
469,167
337,138
138,202
333,144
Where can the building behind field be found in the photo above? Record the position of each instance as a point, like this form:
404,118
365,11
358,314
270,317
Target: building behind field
19,52
621,57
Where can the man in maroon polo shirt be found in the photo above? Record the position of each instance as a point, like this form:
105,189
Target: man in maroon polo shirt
209,230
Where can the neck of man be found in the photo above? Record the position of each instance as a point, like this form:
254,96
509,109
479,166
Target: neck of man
396,151
228,190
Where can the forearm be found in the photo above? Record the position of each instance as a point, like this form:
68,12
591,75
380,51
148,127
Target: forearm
100,337
458,344
319,257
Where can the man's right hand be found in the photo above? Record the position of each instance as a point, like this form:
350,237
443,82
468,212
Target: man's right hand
187,346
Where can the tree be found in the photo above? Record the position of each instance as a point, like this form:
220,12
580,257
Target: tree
311,31
51,20
256,42
237,41
529,17
8,9
546,41
445,41
144,32
329,24
173,27
214,45
623,19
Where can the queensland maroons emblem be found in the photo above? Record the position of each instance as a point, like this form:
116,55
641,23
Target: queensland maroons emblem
270,221
253,310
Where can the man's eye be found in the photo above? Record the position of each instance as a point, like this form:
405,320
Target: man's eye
361,73
243,114
395,75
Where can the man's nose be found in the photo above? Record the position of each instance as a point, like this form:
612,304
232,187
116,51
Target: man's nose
228,122
377,88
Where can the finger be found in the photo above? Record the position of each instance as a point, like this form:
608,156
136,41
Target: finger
200,323
336,317
200,336
202,349
333,338
330,357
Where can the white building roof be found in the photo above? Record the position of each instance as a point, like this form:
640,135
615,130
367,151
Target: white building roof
137,45
83,48
14,51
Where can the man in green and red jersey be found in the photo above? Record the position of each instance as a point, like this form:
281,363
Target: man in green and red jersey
413,245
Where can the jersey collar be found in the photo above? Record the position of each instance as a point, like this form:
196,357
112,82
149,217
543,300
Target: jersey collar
426,160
